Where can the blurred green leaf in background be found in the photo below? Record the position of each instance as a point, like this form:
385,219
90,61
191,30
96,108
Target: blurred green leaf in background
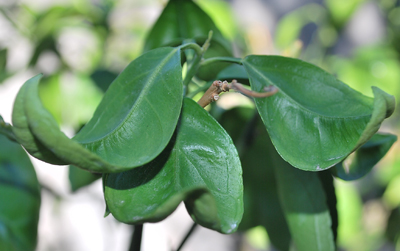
19,198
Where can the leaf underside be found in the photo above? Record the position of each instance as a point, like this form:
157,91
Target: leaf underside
261,201
305,206
364,158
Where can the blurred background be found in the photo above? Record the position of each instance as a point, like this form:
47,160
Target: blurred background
81,46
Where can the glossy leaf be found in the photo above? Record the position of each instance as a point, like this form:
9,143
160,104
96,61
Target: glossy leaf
131,126
365,158
200,166
79,178
19,198
314,121
182,20
139,112
305,205
261,201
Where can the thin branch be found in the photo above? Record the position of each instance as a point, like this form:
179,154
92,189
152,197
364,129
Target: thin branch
192,46
196,61
269,91
221,59
136,240
189,233
212,94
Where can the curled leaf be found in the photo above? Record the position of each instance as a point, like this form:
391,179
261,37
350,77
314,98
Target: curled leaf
364,158
131,126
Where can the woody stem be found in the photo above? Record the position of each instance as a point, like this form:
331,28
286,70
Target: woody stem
212,93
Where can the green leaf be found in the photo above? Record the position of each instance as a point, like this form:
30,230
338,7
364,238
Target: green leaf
79,178
131,126
200,166
261,201
19,198
182,20
305,205
103,78
139,112
365,158
314,121
327,182
393,226
21,126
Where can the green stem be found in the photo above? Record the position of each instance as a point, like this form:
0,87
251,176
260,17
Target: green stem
221,59
195,64
6,129
136,240
189,233
192,46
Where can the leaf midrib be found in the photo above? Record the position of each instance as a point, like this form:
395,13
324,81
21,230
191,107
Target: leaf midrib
138,100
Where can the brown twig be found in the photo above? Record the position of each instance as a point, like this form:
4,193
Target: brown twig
212,94
269,90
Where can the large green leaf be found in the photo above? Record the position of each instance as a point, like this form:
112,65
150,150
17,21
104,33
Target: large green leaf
261,201
182,20
19,198
200,166
131,126
305,205
365,158
314,121
138,114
